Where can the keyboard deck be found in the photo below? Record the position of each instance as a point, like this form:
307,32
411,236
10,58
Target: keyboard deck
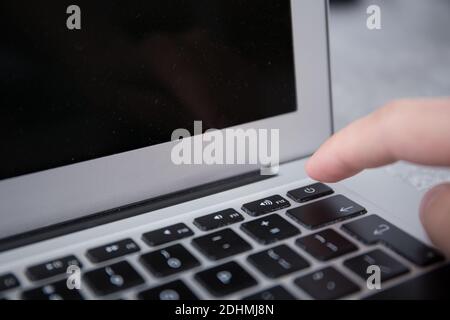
308,242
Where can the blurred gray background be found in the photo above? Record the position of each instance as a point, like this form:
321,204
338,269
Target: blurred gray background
408,57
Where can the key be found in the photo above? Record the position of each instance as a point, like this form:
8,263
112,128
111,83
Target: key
327,284
269,229
168,234
221,244
390,268
311,192
176,290
218,220
274,293
278,261
52,268
374,229
266,205
54,291
324,212
225,279
8,281
113,278
326,245
432,285
169,261
112,250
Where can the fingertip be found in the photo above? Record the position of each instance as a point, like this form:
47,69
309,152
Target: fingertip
435,216
317,168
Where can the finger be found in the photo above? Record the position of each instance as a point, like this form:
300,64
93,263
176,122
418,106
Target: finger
435,216
413,130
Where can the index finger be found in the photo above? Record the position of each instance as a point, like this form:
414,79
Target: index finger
413,130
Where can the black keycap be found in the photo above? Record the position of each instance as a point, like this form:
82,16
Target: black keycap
389,267
274,293
309,193
374,229
175,290
112,250
8,281
218,220
55,291
326,211
266,205
431,286
52,268
168,261
168,234
225,279
221,244
278,261
114,278
327,284
270,229
326,245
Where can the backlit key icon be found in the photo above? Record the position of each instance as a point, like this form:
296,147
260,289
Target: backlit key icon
275,230
174,263
224,277
114,278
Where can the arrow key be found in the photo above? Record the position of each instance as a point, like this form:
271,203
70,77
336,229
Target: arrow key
325,212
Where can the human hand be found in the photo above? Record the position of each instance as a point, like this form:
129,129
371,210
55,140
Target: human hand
417,131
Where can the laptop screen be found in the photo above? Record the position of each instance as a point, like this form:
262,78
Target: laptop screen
105,77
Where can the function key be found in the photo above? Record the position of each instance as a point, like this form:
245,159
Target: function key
390,268
113,278
278,261
52,268
324,212
169,261
326,284
374,229
274,293
55,291
221,244
326,245
266,205
176,290
112,250
269,229
8,281
225,279
311,192
218,219
168,234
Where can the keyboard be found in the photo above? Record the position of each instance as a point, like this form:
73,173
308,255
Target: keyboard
308,242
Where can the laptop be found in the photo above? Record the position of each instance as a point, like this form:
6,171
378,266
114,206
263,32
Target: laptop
92,205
